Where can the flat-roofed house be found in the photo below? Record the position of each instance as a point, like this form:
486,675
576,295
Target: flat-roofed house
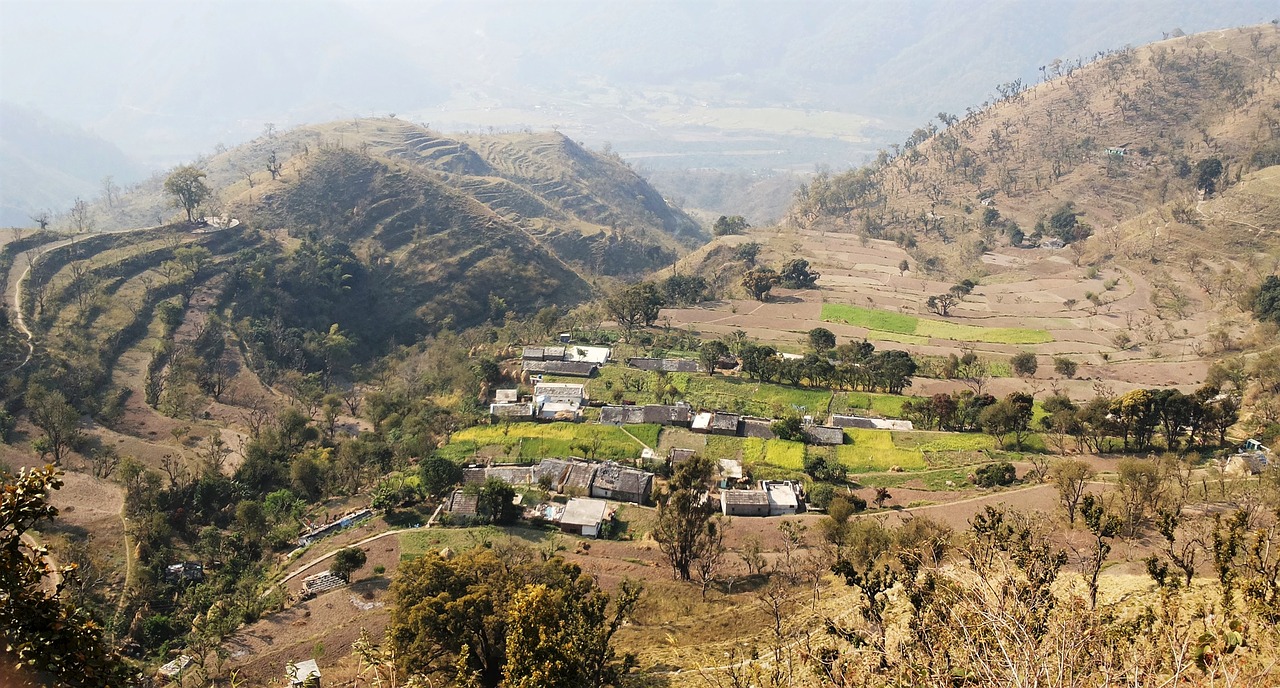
783,497
584,516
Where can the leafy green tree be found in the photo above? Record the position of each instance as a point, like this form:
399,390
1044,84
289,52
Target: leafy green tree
1207,173
347,561
41,630
496,502
1024,364
1266,305
562,637
759,282
504,613
437,474
821,339
789,427
1104,527
748,252
684,530
635,306
683,290
1064,366
710,354
186,185
733,224
795,274
1009,416
59,421
824,468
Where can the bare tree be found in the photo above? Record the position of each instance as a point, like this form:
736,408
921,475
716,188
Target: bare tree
110,191
42,218
81,217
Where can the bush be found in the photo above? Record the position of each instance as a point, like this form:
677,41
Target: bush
1024,364
995,474
1064,366
821,494
824,468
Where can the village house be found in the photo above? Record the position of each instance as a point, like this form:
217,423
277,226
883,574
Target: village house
565,476
615,481
567,368
843,421
584,517
760,428
744,503
826,435
783,497
664,365
677,456
730,473
716,423
512,411
506,396
559,400
660,414
187,571
462,505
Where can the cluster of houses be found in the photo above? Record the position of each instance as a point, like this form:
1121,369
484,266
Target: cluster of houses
571,360
587,484
550,401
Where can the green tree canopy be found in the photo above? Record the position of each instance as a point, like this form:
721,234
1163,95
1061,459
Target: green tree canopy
186,185
347,561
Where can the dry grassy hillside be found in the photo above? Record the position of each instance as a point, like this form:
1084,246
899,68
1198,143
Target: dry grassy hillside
1168,106
595,212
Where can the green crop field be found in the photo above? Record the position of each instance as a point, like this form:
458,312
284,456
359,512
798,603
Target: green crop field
748,396
943,441
870,318
887,405
775,452
537,440
909,325
874,450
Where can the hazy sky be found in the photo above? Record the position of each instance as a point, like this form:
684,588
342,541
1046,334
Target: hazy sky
168,79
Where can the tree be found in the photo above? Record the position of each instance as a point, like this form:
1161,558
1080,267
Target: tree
683,290
759,282
40,628
58,419
1064,366
437,474
81,216
795,274
748,252
1071,477
496,502
941,304
821,340
634,306
1103,526
1024,364
789,427
1009,416
684,531
186,185
710,354
824,467
490,615
42,218
733,224
1266,304
1207,173
347,561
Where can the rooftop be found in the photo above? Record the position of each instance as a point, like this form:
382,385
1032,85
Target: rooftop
752,497
584,512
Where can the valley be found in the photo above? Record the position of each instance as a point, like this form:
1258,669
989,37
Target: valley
489,409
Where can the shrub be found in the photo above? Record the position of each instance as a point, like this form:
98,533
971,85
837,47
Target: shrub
1024,364
1064,366
821,494
995,474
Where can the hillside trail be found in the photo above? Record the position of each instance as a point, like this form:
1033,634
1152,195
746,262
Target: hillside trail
13,290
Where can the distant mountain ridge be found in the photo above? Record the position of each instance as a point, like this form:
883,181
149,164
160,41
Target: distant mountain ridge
45,164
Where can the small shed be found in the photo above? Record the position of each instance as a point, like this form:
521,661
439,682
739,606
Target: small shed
584,516
304,674
533,353
823,434
463,505
744,503
615,481
725,423
761,428
506,396
678,456
702,422
565,476
567,368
